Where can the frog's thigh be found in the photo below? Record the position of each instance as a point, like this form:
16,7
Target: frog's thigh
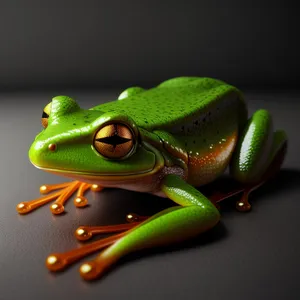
257,147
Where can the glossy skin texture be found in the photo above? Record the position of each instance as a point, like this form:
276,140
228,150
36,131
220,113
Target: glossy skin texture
203,125
183,133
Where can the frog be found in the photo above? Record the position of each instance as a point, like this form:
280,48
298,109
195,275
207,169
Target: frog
169,140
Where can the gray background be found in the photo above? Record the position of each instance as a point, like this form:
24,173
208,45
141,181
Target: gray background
91,50
113,43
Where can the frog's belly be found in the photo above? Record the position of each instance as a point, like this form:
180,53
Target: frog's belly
208,163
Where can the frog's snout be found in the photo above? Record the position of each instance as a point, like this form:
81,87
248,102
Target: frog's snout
39,152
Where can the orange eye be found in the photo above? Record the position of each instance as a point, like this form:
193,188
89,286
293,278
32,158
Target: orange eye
44,121
45,115
114,141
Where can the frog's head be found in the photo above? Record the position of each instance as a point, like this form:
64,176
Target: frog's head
90,144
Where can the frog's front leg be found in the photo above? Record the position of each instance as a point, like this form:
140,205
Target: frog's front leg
65,191
195,215
258,156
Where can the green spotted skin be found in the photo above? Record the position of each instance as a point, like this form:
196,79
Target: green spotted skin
175,102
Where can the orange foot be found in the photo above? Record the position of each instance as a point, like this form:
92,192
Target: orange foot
242,204
66,190
59,261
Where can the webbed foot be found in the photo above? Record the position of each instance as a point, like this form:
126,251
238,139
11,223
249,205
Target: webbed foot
64,193
59,261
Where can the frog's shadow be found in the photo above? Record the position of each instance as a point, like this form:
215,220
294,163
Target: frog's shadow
287,179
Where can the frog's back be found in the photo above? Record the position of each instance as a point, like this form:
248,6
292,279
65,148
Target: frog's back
172,102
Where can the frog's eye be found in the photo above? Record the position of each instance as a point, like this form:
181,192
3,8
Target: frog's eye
45,115
114,141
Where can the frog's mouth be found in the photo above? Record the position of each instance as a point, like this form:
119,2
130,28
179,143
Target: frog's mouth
102,177
133,169
109,178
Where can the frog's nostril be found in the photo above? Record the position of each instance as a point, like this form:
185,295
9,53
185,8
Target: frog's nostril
52,147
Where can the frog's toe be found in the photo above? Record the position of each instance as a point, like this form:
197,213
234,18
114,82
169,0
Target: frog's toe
92,270
56,262
96,188
47,188
80,201
89,270
132,217
64,193
84,233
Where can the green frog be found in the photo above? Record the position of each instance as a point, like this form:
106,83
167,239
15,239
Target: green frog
167,140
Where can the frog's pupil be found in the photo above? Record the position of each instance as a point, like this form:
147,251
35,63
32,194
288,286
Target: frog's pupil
113,140
45,115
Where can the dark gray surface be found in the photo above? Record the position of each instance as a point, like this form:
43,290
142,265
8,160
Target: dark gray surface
247,256
107,43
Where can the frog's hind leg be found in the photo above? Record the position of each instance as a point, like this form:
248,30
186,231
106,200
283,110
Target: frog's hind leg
258,156
63,193
193,215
